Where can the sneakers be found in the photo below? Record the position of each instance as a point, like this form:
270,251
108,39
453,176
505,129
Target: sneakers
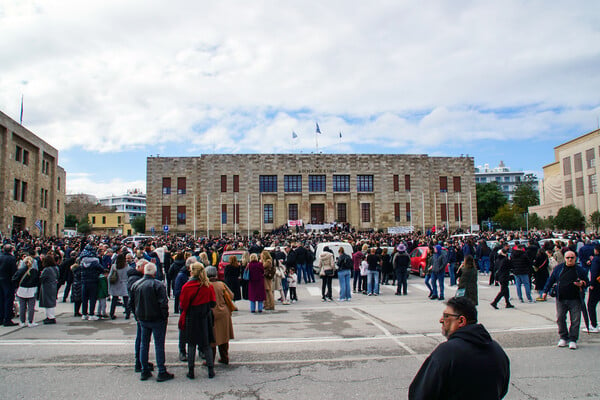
562,343
164,376
592,329
84,317
93,318
22,324
32,324
573,345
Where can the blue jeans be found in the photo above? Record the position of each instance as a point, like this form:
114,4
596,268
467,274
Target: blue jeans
301,270
158,330
285,286
437,279
428,283
373,282
253,306
523,280
484,264
344,278
452,273
310,273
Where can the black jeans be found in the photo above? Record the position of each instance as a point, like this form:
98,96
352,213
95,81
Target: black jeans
326,285
402,277
113,304
593,299
503,293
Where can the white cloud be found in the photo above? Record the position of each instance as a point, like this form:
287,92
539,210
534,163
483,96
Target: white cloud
87,183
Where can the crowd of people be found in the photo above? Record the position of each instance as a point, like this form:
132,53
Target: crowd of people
141,278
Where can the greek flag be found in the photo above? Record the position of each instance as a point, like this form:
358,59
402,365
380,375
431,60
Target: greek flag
38,224
318,129
294,136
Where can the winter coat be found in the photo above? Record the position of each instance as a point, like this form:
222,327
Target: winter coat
469,365
29,280
468,281
119,288
76,286
49,286
102,287
401,262
541,272
521,264
438,263
196,319
149,299
176,266
232,280
222,316
90,270
326,262
181,279
502,268
256,284
8,266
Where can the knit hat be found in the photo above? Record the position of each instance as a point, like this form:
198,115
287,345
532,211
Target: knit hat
401,248
438,248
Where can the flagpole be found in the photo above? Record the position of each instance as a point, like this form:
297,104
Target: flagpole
21,120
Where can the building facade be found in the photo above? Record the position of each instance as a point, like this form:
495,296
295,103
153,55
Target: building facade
132,203
243,193
32,184
572,179
110,223
507,180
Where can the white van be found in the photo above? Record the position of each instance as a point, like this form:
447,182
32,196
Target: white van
137,240
334,246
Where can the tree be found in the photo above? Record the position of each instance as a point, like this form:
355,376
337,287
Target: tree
569,218
71,221
84,228
595,220
510,216
139,224
489,199
525,195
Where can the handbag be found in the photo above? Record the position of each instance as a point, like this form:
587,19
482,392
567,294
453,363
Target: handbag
329,272
460,293
246,274
112,276
228,300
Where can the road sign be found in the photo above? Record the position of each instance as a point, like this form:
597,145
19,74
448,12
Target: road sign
152,230
166,228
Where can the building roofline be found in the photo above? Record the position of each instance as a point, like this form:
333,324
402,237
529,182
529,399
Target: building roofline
595,131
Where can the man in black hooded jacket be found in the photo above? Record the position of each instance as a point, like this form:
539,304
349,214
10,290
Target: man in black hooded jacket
470,365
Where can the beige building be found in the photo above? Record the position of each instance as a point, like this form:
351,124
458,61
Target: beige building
572,178
110,223
32,184
243,193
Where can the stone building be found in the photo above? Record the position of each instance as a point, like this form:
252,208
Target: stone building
572,178
243,193
32,184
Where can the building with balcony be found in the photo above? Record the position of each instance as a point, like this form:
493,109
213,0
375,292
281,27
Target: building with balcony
508,180
133,203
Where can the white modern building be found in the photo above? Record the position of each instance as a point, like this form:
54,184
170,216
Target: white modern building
507,179
133,203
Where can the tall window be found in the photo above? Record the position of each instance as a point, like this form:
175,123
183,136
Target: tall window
24,192
443,184
223,183
18,154
317,183
267,183
292,183
365,212
42,198
292,212
181,215
444,212
458,212
569,189
58,207
567,166
181,183
236,183
166,186
103,220
45,198
579,186
166,215
25,157
341,212
407,183
396,183
17,190
58,184
223,213
593,184
577,162
268,213
590,158
397,212
341,183
457,184
408,213
364,183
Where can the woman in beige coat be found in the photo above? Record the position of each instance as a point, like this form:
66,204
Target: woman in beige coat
267,261
326,272
223,325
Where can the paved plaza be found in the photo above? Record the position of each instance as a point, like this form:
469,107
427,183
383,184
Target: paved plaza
369,348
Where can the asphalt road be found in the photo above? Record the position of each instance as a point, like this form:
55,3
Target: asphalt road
369,348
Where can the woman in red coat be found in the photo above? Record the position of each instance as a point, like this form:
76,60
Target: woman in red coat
197,299
256,284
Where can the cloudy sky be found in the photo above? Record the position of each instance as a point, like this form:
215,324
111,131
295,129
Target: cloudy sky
111,82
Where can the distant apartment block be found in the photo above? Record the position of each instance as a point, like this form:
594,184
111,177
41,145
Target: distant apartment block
133,203
508,180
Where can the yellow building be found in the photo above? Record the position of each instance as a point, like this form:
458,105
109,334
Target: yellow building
572,179
110,223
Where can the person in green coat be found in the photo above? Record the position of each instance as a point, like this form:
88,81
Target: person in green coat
468,279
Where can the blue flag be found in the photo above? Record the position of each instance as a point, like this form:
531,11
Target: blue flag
318,129
340,135
38,224
294,136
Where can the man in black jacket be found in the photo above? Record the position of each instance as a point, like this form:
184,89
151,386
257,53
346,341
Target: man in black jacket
470,365
151,309
502,271
8,267
521,268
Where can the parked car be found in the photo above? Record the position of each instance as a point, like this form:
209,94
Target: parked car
137,239
225,261
418,260
334,246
